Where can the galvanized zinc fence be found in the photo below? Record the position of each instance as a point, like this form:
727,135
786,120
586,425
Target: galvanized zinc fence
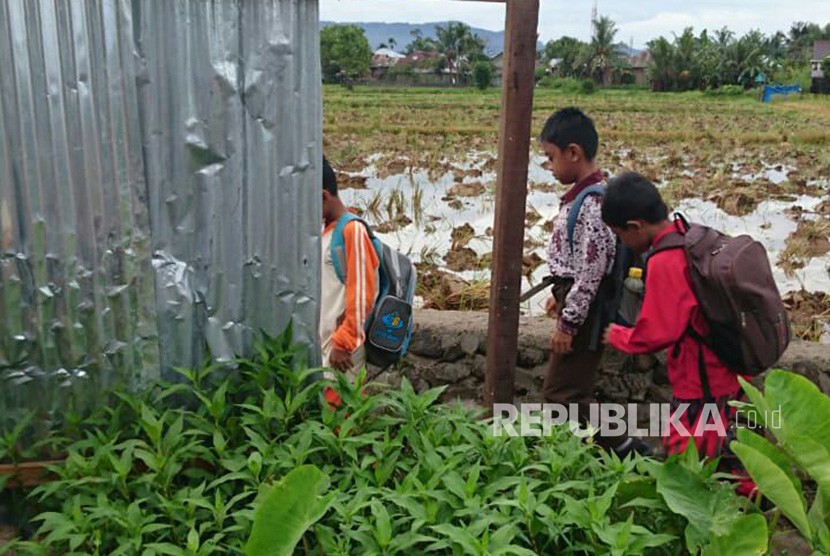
159,188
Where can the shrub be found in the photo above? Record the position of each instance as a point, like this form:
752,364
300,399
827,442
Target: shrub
483,74
587,87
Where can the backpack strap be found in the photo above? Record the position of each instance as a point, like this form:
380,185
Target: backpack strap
701,364
672,240
573,215
338,243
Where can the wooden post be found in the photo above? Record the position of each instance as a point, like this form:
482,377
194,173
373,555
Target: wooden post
518,82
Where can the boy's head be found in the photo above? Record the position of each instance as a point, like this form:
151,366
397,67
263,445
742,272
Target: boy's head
634,210
329,190
570,142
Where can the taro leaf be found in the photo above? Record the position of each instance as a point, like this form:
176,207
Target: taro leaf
811,456
287,511
747,537
774,453
775,485
758,401
819,518
709,511
804,409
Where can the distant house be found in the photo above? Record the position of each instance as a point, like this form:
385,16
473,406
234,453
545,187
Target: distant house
498,65
383,59
555,66
638,66
821,52
421,59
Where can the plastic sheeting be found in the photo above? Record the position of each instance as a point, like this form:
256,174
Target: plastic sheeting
159,188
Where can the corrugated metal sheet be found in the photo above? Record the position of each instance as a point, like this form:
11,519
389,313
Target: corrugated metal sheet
158,187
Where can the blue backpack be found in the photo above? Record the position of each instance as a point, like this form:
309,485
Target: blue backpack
391,322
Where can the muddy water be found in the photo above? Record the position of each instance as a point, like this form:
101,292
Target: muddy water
435,212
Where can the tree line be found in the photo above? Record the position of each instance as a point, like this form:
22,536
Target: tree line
687,61
691,60
345,51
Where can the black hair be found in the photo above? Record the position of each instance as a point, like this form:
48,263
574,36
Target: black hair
630,196
329,178
571,125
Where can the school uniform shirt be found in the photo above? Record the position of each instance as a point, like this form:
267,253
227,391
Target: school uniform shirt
344,308
592,256
669,309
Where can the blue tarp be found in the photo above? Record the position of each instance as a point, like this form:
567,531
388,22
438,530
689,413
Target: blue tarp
770,90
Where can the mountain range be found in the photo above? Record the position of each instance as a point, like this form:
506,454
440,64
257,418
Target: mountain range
380,33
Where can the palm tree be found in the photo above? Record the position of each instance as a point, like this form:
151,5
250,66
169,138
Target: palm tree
662,68
685,60
458,45
392,43
602,52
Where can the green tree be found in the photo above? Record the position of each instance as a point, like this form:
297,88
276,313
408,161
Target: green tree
662,67
566,49
344,51
459,46
602,53
483,74
420,43
749,60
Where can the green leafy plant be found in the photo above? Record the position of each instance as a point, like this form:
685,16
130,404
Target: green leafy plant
287,511
483,73
797,414
188,468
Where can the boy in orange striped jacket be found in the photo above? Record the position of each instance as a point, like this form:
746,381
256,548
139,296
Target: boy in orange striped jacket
344,307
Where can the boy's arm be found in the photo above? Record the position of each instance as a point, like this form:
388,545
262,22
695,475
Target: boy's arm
594,246
361,287
667,308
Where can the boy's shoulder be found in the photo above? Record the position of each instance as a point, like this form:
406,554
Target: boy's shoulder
671,261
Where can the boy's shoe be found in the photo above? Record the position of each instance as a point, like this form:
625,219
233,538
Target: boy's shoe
633,445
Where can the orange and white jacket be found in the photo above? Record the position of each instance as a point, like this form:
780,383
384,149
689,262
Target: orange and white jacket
344,308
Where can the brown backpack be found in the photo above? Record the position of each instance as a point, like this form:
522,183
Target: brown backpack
732,279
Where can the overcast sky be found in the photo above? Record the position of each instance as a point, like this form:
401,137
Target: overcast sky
641,20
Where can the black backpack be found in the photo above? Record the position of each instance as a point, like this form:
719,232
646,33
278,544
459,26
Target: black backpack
611,293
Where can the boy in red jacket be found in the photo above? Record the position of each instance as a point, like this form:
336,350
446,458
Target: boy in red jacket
671,318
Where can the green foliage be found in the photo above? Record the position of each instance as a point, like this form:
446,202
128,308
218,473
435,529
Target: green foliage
587,87
460,48
825,66
201,466
797,414
344,51
711,509
420,43
726,90
569,85
567,50
602,53
712,60
483,73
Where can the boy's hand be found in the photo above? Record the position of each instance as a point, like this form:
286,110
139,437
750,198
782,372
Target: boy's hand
341,360
550,306
561,342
